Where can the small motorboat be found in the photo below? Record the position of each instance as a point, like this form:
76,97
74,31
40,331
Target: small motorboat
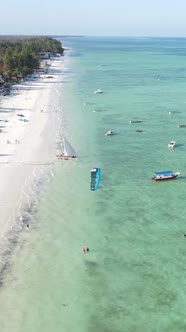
172,144
98,91
109,133
139,130
181,126
165,175
135,121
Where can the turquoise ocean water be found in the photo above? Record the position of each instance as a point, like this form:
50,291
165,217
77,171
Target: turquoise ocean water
134,276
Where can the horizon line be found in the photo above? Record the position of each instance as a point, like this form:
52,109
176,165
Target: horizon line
89,36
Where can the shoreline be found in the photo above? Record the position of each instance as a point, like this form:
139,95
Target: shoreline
33,142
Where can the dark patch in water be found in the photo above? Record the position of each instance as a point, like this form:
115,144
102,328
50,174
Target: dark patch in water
14,241
91,266
4,267
29,210
7,252
25,219
178,145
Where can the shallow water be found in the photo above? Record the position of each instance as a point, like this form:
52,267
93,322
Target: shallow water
133,277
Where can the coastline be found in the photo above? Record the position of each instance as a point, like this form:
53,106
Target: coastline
137,247
32,146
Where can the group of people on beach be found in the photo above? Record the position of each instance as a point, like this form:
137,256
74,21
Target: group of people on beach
16,141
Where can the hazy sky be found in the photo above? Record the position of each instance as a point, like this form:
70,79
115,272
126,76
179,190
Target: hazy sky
94,17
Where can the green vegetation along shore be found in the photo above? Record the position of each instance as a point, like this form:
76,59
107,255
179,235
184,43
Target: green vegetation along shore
20,56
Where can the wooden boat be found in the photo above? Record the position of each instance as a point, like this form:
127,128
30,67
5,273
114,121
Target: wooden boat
69,152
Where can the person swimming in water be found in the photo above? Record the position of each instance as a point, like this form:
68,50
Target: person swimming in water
85,249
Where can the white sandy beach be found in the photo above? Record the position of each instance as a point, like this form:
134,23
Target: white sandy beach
32,144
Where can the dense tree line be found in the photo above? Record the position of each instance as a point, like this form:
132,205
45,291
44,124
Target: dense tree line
22,56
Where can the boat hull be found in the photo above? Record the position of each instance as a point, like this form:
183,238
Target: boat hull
154,178
135,121
62,156
98,91
109,133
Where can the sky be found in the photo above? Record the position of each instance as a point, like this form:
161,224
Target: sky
93,17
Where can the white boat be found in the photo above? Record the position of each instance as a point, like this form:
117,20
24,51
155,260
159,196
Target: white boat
68,153
98,91
172,144
109,133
